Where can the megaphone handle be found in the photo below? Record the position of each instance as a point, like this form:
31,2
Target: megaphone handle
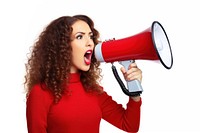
133,85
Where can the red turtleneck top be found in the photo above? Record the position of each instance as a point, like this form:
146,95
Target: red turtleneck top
78,111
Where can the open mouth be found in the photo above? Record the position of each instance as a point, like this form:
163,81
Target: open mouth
87,57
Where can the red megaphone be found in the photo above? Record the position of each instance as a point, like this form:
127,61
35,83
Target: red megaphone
151,44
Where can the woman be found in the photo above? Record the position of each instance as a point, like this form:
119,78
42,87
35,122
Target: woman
62,82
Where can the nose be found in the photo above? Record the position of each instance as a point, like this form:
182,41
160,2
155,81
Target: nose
90,42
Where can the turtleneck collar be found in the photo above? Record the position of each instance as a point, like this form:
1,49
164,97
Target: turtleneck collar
74,77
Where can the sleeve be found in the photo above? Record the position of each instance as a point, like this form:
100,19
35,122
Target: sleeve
37,106
125,119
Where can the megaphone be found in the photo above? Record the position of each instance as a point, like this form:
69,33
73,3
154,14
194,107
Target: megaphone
150,44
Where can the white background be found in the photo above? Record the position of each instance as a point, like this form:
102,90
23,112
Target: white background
170,98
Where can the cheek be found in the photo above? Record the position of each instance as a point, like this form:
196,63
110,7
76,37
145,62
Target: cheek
77,53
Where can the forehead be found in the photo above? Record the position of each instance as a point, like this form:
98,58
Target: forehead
80,26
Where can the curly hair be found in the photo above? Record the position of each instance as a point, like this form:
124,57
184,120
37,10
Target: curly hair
50,58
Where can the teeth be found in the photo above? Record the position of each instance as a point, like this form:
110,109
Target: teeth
88,52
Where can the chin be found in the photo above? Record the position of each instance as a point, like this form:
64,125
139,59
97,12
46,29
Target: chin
85,69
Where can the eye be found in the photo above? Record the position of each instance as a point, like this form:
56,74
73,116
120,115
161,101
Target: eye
92,37
79,37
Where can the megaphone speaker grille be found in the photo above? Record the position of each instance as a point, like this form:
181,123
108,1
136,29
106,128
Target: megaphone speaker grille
162,44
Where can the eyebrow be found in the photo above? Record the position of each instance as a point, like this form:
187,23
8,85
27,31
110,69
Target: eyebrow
84,33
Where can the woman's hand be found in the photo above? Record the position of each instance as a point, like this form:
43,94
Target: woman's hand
133,73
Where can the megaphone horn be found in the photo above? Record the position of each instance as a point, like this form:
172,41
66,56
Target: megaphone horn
151,44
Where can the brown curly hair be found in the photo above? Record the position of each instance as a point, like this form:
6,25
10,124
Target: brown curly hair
50,58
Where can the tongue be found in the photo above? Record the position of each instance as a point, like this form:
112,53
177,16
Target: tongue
87,61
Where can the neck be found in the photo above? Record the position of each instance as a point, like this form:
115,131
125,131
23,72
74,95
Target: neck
74,77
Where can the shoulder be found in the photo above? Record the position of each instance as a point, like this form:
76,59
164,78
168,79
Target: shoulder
38,91
103,95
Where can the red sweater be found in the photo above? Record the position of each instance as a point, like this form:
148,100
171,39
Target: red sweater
78,111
